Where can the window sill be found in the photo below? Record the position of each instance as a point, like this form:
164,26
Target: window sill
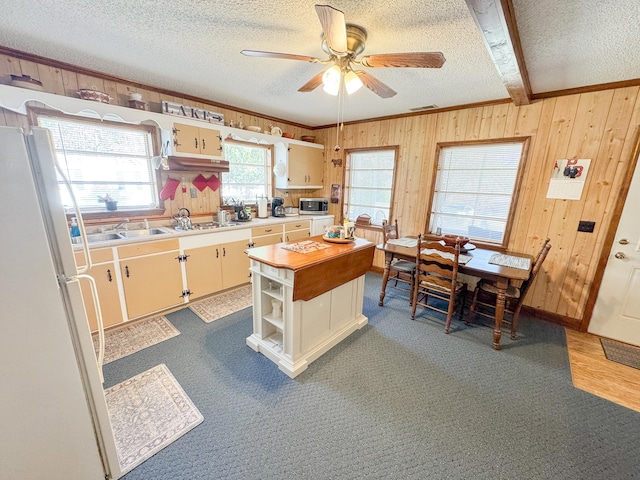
110,214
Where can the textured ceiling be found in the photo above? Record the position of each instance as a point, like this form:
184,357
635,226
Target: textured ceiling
193,46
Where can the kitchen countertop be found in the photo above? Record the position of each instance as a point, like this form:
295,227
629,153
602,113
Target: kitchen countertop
173,233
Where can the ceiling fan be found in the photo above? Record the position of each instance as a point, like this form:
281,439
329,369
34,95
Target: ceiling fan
343,42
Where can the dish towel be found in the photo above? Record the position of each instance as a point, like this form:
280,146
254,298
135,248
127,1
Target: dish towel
510,261
169,190
213,182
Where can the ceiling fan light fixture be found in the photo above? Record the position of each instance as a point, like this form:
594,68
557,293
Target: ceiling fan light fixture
331,80
352,82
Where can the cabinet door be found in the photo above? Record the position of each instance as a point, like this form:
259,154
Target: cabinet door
235,264
186,138
204,270
151,283
210,142
110,307
267,240
306,165
298,235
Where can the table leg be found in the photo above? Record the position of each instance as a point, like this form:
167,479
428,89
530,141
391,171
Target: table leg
501,287
388,257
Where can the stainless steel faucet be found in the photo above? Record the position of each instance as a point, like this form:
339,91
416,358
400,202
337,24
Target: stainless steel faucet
125,227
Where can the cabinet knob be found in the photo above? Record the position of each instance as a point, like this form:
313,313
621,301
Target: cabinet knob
196,142
203,144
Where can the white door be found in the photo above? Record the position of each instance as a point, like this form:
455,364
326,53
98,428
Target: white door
616,313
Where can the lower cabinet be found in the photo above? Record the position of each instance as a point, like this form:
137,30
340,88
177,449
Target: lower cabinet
297,230
204,270
235,264
262,236
151,277
104,273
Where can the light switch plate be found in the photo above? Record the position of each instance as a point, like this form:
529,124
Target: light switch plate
193,192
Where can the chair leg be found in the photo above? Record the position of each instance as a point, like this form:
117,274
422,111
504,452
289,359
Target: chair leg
414,302
514,321
472,308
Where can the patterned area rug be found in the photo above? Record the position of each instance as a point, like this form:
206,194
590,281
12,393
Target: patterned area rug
148,412
621,352
224,304
131,338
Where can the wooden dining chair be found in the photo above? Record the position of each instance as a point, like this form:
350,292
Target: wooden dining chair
436,280
400,270
485,295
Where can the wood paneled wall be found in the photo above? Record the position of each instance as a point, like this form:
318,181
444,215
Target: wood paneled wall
67,82
599,125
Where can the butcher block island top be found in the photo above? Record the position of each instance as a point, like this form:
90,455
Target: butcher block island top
307,297
318,271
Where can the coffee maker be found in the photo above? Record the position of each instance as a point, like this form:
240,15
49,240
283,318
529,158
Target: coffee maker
277,207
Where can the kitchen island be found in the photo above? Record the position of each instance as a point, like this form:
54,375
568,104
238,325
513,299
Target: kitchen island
307,297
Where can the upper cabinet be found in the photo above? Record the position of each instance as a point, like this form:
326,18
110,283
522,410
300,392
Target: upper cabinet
189,139
299,166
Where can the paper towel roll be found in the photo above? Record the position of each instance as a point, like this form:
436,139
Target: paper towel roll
262,208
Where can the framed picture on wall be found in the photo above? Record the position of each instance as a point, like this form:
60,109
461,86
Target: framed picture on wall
335,193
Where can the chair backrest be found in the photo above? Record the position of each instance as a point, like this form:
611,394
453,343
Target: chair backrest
437,262
537,263
390,230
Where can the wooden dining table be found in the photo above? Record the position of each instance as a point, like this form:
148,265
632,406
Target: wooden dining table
478,266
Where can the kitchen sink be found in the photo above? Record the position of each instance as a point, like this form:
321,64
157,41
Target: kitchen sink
143,233
97,237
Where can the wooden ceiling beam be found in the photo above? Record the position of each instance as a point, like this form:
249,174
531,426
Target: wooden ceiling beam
497,24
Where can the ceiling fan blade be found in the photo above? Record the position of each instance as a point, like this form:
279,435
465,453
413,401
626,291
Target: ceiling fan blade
405,60
286,56
312,84
334,28
375,85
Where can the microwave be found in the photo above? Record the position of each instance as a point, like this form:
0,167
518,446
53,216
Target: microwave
313,206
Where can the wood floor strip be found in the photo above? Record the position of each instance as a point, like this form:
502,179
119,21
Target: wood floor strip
593,373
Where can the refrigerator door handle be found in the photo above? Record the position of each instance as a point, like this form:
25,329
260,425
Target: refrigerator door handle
98,309
83,232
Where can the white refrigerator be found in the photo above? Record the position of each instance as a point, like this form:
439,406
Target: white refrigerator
53,414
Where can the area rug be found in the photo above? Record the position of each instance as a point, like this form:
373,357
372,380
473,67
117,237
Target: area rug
133,337
147,413
221,305
621,352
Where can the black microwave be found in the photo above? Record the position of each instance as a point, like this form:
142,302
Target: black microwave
313,206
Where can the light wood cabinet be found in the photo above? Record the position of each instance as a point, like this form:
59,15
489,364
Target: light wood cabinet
204,270
297,230
189,139
107,285
235,264
151,281
299,166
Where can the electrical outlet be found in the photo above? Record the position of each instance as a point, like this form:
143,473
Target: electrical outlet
193,192
584,226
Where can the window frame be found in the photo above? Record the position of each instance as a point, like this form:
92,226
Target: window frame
269,151
516,188
346,187
97,214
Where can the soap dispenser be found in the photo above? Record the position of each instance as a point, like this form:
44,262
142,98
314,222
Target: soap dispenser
75,230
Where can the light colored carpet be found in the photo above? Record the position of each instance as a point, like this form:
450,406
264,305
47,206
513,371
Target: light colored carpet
223,304
148,412
133,337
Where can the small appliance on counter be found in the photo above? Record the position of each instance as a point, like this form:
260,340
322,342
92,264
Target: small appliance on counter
313,206
243,214
277,207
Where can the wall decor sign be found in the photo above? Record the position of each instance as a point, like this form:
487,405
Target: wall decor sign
194,113
568,178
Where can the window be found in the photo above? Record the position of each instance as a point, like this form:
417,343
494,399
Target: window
369,184
475,189
101,159
249,176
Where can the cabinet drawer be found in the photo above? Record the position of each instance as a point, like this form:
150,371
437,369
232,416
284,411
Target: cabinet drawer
100,255
297,225
147,248
270,230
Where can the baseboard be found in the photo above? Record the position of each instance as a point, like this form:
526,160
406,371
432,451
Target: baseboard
562,320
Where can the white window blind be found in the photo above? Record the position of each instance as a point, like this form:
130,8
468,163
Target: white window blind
474,189
369,184
249,176
101,159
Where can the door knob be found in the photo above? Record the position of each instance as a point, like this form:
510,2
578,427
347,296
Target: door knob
623,241
619,255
